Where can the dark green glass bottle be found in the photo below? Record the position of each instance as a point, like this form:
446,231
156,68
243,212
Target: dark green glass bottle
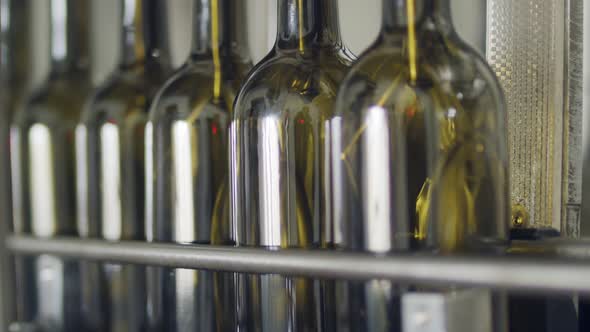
420,149
279,160
110,166
43,163
186,170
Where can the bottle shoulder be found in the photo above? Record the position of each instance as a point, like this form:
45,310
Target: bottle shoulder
323,61
118,89
11,100
128,84
57,99
61,88
124,93
289,78
448,67
192,89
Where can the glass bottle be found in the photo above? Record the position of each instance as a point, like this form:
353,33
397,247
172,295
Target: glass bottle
110,165
279,150
186,170
43,162
15,52
420,148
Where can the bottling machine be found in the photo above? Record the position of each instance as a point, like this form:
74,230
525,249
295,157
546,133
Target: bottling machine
538,50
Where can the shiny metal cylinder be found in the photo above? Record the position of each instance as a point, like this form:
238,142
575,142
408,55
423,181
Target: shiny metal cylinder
563,268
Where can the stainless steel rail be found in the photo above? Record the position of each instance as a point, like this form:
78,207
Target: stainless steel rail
531,273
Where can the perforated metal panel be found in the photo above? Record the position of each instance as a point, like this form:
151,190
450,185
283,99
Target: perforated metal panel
526,48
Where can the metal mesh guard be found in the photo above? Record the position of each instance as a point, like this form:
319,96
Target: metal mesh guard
523,52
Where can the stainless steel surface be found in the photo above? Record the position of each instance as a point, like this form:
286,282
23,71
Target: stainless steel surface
454,311
579,249
536,48
585,223
548,274
526,49
574,116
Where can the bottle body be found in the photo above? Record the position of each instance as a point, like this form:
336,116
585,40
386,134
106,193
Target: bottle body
110,168
420,151
279,176
186,171
110,176
467,145
279,163
278,150
42,157
187,191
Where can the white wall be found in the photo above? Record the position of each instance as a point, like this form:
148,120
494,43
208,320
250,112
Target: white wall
360,21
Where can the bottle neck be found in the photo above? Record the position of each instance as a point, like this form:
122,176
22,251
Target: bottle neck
144,33
399,14
303,24
219,29
70,37
14,42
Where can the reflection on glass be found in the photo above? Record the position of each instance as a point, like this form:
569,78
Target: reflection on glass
184,204
420,158
50,278
279,162
111,182
42,185
186,171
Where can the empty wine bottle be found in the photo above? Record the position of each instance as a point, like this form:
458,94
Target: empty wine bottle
15,55
419,150
279,160
186,170
110,157
42,157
